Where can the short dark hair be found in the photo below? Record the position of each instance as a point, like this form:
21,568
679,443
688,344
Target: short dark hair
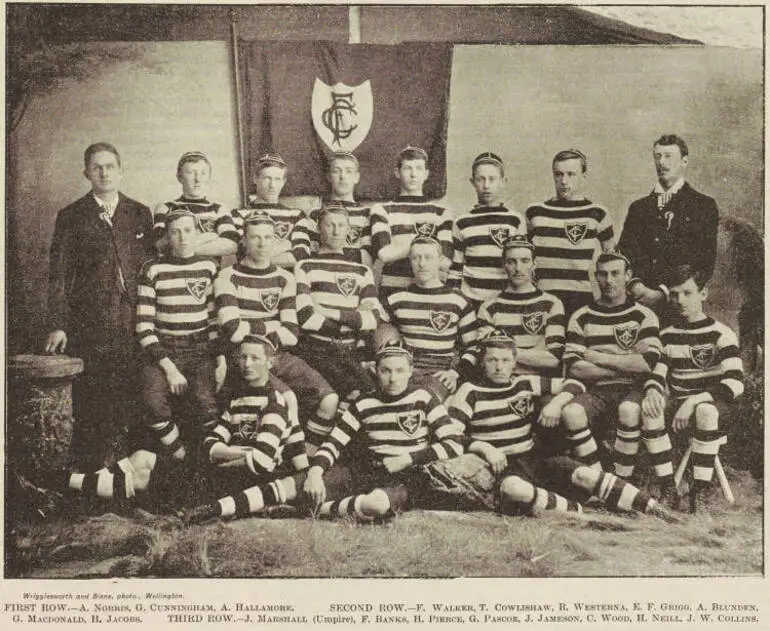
270,349
571,154
191,157
96,148
673,139
682,273
412,153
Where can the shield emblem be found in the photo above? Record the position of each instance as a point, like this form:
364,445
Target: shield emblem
410,422
248,428
197,287
576,232
347,284
533,322
702,355
282,229
521,405
269,298
342,115
499,235
354,234
626,334
425,229
206,224
440,320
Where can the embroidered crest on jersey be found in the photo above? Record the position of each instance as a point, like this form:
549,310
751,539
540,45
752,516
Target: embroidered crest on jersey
499,235
703,355
410,422
197,287
533,322
248,428
270,298
206,224
342,114
626,334
347,284
425,229
354,234
282,229
440,320
576,232
522,404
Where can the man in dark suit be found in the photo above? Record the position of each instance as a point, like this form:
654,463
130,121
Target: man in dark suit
673,225
99,243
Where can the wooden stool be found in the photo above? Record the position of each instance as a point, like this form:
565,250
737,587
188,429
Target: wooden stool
723,481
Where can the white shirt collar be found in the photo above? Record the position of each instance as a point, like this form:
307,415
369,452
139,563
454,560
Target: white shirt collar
675,188
109,204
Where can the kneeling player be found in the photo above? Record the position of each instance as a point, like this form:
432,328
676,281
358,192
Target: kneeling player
403,427
498,412
701,370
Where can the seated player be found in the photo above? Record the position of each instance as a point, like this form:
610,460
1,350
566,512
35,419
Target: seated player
568,232
612,346
534,319
343,176
396,223
176,327
498,411
435,322
404,426
291,226
256,297
336,304
217,235
480,234
699,374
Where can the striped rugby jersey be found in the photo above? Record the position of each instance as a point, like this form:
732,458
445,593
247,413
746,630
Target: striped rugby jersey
699,357
434,322
257,301
414,422
175,297
399,222
477,267
209,217
257,417
291,226
568,236
502,415
534,319
334,282
627,329
359,248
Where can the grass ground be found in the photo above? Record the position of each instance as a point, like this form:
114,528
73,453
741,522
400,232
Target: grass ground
726,540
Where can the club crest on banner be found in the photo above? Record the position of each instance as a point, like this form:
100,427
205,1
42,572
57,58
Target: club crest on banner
425,229
347,284
440,320
270,298
410,422
342,114
499,235
703,355
522,404
197,287
282,229
533,322
626,334
354,234
576,232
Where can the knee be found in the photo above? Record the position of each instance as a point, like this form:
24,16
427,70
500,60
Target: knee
514,489
327,407
628,414
706,417
574,416
585,477
376,503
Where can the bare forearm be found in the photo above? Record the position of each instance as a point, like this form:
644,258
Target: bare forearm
536,358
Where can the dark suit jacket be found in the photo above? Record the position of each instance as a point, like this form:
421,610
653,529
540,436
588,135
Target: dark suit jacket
653,247
85,297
